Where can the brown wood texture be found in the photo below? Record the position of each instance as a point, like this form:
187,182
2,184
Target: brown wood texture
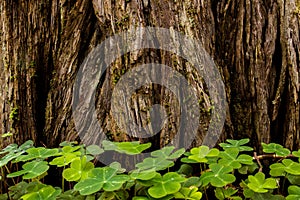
255,45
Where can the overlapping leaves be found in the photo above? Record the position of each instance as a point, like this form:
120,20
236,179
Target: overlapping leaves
105,178
78,170
161,159
239,144
201,154
31,170
287,165
231,157
165,185
130,148
219,175
259,184
277,149
294,193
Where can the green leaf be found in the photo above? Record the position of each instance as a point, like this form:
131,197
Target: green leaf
201,153
130,148
18,190
294,193
9,157
166,153
293,179
275,148
277,169
237,144
263,196
26,145
188,193
105,177
229,158
9,148
297,154
218,176
68,154
259,184
78,170
31,170
94,150
13,152
140,198
88,186
109,146
245,169
228,193
287,165
185,169
154,163
144,175
168,184
39,152
192,182
107,196
187,160
68,143
117,166
47,192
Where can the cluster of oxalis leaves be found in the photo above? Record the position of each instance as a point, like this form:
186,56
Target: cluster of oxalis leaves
230,173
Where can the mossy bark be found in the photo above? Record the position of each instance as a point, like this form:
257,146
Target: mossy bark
255,45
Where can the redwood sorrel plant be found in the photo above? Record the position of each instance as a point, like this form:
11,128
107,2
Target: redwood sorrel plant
232,171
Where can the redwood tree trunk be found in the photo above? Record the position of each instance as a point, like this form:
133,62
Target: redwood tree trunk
255,45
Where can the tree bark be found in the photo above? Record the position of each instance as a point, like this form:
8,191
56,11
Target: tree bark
255,45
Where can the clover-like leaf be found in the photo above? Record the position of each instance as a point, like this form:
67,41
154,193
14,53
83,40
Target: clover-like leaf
278,149
297,154
9,148
237,144
294,193
293,179
154,163
94,150
192,182
188,193
166,153
117,166
259,184
31,170
39,152
201,153
163,159
105,178
9,157
277,169
26,145
78,170
229,157
185,169
13,152
140,198
68,154
228,193
68,143
245,169
261,196
130,148
287,165
218,176
170,183
47,192
144,175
